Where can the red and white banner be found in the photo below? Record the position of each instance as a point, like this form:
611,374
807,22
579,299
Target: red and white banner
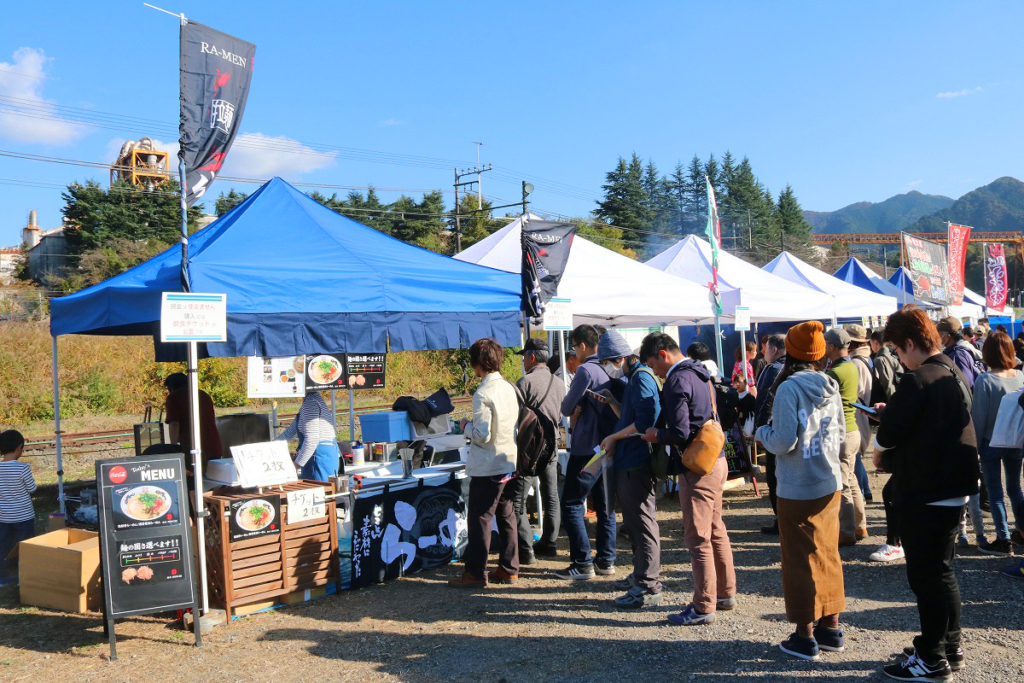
995,276
959,236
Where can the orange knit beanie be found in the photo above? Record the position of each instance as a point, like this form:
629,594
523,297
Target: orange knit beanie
806,341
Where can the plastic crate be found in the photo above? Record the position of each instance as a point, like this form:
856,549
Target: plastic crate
390,426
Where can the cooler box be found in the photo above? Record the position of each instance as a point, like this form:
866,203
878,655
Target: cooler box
61,570
393,425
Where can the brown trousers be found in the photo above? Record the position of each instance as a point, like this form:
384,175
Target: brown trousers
486,500
812,572
851,512
706,537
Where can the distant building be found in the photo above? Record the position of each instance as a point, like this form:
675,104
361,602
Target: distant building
9,258
47,250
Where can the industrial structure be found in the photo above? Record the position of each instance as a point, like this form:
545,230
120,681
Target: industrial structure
140,163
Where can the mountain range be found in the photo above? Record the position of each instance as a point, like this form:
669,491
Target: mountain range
996,206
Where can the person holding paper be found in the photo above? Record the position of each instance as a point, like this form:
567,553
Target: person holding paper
176,415
318,456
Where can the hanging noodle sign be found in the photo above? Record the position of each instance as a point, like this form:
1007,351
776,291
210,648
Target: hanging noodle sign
995,276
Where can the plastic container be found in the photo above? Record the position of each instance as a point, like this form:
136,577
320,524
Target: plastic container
390,426
358,454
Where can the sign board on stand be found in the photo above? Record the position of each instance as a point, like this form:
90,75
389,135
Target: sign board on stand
929,272
190,317
306,504
326,372
276,377
558,315
742,319
255,516
145,544
263,464
366,370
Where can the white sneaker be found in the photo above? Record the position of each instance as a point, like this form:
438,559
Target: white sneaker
887,553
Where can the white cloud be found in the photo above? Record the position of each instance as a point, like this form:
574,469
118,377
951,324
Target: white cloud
958,93
392,122
22,79
255,155
914,183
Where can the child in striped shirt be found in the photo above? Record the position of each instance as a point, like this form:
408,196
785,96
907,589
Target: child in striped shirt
17,516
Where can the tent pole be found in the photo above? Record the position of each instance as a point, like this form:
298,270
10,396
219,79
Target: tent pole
718,341
565,381
56,429
197,469
334,411
351,414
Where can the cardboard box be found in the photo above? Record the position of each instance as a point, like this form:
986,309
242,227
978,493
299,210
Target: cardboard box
61,570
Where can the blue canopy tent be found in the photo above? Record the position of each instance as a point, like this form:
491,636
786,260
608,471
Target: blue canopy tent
856,273
300,279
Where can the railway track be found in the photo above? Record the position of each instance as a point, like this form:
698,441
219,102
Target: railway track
115,437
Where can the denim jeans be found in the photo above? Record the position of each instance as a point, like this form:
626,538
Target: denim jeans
10,535
993,462
578,485
862,476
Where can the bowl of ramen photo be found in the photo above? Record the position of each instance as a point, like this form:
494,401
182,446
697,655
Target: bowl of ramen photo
324,370
299,363
144,503
255,514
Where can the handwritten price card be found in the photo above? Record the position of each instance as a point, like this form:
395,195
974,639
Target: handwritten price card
306,504
263,464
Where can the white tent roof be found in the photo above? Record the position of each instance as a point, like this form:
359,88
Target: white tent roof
970,297
769,298
605,287
850,301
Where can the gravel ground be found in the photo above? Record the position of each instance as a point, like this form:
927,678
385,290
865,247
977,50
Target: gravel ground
541,629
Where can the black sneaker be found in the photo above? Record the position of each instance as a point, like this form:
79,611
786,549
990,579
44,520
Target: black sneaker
545,550
1000,546
798,646
830,639
604,569
955,657
1017,538
771,530
575,572
914,668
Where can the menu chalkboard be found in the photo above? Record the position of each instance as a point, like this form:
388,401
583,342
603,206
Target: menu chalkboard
366,370
928,268
145,544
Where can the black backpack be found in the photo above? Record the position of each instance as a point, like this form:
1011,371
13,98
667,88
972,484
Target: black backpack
728,400
536,436
884,386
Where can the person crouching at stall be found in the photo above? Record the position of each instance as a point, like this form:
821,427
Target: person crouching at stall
490,465
806,433
318,456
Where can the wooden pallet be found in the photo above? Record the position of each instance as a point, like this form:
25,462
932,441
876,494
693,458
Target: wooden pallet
304,555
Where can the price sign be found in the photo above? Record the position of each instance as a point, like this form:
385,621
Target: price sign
306,504
558,314
193,317
263,464
742,320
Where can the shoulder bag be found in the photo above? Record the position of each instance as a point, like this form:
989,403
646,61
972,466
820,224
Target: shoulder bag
702,453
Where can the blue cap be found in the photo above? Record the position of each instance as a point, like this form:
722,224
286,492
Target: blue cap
612,345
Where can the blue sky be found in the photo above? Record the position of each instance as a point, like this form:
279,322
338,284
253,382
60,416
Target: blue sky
845,101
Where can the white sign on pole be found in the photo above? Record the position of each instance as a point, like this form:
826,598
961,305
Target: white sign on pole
276,377
193,317
263,464
306,504
558,315
742,319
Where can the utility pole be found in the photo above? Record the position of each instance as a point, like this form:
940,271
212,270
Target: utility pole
750,233
479,185
527,189
459,175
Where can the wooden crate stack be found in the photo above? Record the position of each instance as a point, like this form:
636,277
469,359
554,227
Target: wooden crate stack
303,556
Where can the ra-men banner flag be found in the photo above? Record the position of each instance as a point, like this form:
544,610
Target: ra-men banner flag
546,246
959,236
216,70
995,276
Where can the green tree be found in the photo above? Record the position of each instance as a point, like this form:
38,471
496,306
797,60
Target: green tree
475,225
97,216
711,170
226,202
696,196
625,203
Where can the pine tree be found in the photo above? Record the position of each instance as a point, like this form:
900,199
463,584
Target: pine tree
697,191
624,203
714,176
476,225
678,188
791,217
228,201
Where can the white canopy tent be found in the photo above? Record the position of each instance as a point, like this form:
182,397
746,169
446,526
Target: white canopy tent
770,298
973,298
850,301
606,288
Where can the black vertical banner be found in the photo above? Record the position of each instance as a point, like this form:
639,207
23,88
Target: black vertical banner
216,70
545,252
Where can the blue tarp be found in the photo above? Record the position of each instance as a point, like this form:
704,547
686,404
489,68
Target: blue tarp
301,278
856,273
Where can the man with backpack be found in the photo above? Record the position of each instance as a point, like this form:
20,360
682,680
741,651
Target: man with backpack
592,425
543,393
965,357
633,470
688,402
886,369
852,519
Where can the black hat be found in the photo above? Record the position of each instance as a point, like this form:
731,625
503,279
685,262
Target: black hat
532,344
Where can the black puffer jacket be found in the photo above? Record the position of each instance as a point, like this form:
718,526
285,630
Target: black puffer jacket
928,426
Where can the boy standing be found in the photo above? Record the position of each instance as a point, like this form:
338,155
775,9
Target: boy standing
17,516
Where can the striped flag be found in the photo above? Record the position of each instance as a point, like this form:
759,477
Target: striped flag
714,233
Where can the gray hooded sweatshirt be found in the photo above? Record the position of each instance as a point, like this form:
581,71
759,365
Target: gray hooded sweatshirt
806,432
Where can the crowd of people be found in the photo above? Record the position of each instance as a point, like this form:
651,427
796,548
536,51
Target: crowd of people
920,397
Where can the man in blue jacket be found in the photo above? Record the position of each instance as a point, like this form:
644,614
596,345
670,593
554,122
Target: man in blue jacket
688,404
593,422
633,470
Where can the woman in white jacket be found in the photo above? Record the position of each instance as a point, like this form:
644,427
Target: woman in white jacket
805,433
490,465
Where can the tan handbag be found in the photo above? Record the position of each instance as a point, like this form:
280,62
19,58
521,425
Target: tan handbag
702,453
